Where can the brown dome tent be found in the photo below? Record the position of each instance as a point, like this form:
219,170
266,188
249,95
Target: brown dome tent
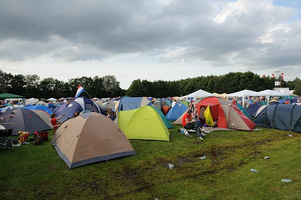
90,137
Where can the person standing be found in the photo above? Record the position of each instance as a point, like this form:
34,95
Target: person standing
54,121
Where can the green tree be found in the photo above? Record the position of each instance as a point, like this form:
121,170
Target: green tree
32,85
18,85
111,86
298,90
135,89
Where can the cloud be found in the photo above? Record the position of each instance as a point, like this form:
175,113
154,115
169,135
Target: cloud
116,37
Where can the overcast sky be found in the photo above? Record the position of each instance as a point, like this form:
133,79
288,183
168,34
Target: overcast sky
150,39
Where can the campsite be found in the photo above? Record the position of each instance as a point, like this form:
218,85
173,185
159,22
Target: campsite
37,172
142,154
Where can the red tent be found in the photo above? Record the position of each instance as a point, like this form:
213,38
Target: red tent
226,113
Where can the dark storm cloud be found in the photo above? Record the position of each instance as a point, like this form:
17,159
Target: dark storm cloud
209,31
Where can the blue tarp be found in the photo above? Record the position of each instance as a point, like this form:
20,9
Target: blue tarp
39,107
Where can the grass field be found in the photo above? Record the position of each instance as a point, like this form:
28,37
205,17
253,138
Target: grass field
36,172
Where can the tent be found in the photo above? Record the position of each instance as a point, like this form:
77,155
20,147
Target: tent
280,116
5,108
175,112
130,103
31,101
10,96
243,110
269,93
260,110
243,94
252,108
24,120
199,94
158,104
143,123
78,105
90,138
39,107
226,113
163,117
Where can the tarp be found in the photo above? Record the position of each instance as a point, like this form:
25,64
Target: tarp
90,138
39,107
143,123
9,95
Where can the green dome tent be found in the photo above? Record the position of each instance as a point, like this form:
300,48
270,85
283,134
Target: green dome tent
143,123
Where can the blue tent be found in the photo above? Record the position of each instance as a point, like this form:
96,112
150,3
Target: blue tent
58,110
252,108
281,116
175,112
78,105
39,107
130,103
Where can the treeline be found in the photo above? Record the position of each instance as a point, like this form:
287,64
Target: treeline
228,83
33,86
107,86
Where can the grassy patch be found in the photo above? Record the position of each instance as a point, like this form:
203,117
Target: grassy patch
36,172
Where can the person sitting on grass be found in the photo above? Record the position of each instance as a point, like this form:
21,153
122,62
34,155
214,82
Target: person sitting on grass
188,123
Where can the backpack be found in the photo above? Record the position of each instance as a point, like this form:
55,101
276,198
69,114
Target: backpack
22,136
43,134
37,140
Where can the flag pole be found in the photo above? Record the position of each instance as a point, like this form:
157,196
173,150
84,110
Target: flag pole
88,94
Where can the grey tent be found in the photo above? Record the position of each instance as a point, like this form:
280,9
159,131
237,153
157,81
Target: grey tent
280,116
25,120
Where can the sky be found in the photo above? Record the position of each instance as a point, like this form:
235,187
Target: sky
150,39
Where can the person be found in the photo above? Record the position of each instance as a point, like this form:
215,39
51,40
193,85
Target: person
76,114
173,103
55,122
189,123
112,115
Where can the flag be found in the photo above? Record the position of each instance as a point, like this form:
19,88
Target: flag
80,89
208,116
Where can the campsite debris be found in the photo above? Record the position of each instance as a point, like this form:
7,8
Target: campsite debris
286,180
254,170
290,135
203,157
171,166
266,157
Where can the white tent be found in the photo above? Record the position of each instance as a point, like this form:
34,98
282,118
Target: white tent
31,101
271,93
199,94
244,94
